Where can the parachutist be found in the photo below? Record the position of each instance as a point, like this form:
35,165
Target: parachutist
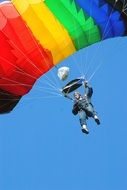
84,108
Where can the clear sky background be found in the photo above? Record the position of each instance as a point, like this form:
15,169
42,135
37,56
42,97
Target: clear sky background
41,144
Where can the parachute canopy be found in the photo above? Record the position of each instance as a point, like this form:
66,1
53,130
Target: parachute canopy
36,35
120,5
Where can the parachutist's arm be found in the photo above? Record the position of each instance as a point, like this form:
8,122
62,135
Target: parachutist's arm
75,109
67,96
88,89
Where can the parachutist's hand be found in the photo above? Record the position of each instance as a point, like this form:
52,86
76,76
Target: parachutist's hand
65,95
86,83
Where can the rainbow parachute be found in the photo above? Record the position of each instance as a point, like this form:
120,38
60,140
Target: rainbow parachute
35,35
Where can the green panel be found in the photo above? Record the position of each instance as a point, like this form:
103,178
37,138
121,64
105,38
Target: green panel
92,31
69,22
80,27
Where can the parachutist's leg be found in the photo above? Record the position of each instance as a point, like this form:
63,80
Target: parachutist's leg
92,113
82,119
96,117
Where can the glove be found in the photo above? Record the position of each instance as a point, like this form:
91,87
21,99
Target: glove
86,83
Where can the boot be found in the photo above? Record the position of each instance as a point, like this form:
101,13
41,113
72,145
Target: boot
84,129
97,120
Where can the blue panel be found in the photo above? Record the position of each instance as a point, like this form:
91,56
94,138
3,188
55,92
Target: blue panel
110,22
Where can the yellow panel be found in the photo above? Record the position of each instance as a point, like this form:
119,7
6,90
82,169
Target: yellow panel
46,28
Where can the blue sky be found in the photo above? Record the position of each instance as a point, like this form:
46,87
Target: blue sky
41,144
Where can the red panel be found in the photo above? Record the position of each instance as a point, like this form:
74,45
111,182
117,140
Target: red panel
6,57
23,58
